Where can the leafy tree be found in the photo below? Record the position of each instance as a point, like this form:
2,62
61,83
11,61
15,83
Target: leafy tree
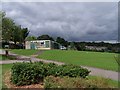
62,41
7,27
16,34
11,31
24,34
45,37
29,38
72,46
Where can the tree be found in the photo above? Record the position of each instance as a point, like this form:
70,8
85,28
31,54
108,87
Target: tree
72,46
24,34
2,14
45,37
30,38
62,41
7,27
11,31
16,34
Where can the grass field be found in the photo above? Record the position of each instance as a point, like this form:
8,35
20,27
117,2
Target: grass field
24,52
93,59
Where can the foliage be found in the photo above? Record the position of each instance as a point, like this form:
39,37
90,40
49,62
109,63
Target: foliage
7,27
29,38
110,47
27,73
76,82
11,31
30,73
72,46
62,41
45,37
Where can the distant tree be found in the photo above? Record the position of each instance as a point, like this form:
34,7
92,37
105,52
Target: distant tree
72,46
30,38
82,46
62,41
24,34
45,37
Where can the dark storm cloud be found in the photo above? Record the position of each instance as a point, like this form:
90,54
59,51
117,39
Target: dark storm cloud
73,21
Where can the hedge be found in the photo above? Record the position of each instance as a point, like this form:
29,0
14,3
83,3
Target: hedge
32,73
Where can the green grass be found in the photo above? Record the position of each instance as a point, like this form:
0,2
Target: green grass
5,68
0,57
111,82
24,52
3,57
93,59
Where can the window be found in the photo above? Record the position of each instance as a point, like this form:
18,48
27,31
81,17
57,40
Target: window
47,44
42,43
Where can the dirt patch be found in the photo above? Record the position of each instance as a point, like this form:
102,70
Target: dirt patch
9,84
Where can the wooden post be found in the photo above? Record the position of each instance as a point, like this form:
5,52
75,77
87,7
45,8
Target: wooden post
6,52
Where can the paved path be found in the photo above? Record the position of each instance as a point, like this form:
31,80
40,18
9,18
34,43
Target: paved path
94,71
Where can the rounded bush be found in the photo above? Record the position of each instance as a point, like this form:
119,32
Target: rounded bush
31,73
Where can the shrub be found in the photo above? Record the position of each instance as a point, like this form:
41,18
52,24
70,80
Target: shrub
74,71
27,73
75,82
31,73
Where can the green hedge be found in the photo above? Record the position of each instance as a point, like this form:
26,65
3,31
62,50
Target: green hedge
31,73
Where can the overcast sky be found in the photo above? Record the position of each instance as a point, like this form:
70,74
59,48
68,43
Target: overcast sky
88,21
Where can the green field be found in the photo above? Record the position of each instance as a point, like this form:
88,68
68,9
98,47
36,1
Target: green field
93,59
86,58
24,52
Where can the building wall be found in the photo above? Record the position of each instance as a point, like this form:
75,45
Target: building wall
42,44
38,44
27,45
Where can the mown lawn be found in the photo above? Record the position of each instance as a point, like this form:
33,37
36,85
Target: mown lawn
94,59
24,52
